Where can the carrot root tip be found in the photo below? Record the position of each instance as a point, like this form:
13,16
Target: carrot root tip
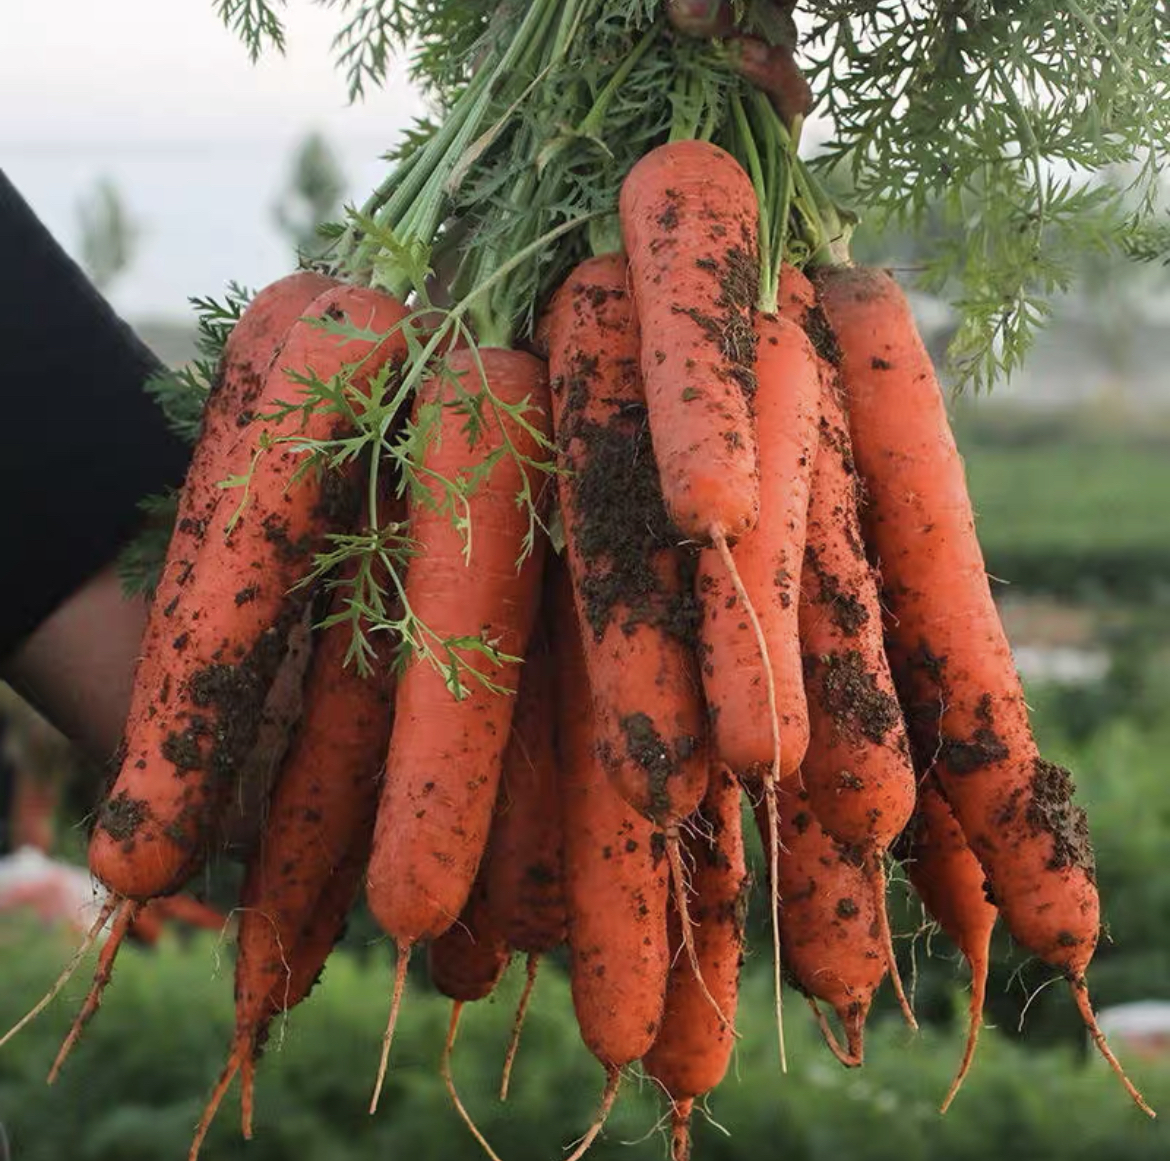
404,950
1081,997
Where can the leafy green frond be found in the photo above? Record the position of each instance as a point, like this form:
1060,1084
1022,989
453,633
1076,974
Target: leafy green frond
1002,112
255,22
140,562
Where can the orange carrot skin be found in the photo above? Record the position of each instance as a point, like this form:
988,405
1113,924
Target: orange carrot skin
183,745
616,879
523,872
857,771
468,959
689,223
445,757
253,344
637,613
948,877
693,1048
829,939
1015,809
322,806
769,562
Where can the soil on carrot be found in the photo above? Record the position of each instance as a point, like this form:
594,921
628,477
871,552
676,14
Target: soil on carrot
850,696
658,757
621,520
820,334
236,691
984,748
732,332
121,816
1052,811
846,610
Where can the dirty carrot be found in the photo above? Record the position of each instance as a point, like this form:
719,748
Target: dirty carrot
829,930
857,771
321,808
1016,809
616,881
446,751
949,881
185,738
690,1055
689,221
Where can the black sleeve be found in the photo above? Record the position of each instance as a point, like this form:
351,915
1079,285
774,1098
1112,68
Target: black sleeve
80,441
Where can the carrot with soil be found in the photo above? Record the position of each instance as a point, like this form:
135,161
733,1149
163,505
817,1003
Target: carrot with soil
950,883
321,809
689,222
184,746
857,771
446,751
524,868
692,1050
1015,809
829,928
633,601
616,883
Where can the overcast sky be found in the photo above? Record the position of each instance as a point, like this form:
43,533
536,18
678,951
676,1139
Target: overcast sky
158,96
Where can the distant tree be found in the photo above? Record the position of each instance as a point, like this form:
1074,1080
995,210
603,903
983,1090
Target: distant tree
313,194
109,233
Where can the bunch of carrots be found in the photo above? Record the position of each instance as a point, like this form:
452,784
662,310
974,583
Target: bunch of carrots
700,552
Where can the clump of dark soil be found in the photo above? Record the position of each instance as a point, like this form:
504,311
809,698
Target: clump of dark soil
850,695
1052,811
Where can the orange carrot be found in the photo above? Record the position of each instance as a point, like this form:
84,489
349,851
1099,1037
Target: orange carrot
236,395
524,866
184,743
445,755
638,615
829,930
321,810
690,1055
857,772
615,880
1015,809
628,585
523,873
769,562
949,881
689,221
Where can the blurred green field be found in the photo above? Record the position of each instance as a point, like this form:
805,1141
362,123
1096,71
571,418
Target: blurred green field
1074,503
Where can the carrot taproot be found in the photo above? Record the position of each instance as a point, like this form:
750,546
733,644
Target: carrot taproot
857,771
692,1050
633,601
445,755
466,962
183,745
322,807
616,882
949,880
829,930
1016,809
689,219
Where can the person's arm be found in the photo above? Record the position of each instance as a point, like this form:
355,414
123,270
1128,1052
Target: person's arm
81,444
77,666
